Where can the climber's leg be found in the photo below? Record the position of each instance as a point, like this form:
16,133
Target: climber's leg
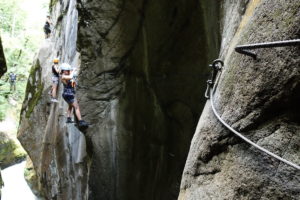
77,110
54,86
72,102
69,112
54,89
81,122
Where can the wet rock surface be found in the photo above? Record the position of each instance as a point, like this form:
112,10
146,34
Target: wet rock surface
257,98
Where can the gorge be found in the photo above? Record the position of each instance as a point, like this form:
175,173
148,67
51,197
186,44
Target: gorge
143,67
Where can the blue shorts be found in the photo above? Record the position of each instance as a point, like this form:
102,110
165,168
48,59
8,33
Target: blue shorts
69,98
69,95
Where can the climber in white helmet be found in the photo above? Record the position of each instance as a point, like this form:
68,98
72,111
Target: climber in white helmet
69,94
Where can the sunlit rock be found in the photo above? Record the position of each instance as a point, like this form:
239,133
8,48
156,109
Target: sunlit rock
259,98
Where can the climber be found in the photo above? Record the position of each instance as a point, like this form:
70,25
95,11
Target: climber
12,81
47,27
69,94
55,79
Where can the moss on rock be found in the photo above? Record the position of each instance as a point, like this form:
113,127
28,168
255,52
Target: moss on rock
10,152
34,89
52,3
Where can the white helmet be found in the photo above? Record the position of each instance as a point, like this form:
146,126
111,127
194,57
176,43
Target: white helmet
65,67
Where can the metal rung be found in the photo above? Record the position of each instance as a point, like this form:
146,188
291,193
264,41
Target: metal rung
244,49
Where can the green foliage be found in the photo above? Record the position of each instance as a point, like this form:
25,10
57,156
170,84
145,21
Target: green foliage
21,25
11,16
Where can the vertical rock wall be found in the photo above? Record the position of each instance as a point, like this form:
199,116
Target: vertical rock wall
144,67
57,150
141,85
260,99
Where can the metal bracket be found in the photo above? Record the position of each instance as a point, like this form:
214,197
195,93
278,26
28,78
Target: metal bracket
244,49
216,66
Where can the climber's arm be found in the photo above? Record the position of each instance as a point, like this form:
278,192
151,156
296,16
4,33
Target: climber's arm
67,77
57,69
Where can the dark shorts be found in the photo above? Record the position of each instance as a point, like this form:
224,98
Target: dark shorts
69,98
69,95
47,29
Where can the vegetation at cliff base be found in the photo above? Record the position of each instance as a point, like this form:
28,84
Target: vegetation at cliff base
21,31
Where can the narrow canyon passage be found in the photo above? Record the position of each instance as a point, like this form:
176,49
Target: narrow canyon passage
136,71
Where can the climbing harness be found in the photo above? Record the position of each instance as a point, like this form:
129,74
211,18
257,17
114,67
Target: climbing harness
244,49
217,66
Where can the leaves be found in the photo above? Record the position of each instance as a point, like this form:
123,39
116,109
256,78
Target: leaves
21,26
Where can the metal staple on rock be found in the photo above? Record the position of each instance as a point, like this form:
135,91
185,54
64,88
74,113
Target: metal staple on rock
212,88
244,49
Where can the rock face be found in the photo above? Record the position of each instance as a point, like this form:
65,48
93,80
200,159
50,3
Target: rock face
143,69
31,178
2,60
141,86
259,98
57,151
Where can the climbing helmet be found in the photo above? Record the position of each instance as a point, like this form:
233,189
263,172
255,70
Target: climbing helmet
65,67
55,60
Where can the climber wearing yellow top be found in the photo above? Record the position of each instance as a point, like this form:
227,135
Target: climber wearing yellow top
69,94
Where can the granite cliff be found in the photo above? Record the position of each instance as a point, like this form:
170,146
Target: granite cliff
139,61
256,97
143,67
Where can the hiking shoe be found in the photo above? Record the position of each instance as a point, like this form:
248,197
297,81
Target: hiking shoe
69,120
54,100
83,123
